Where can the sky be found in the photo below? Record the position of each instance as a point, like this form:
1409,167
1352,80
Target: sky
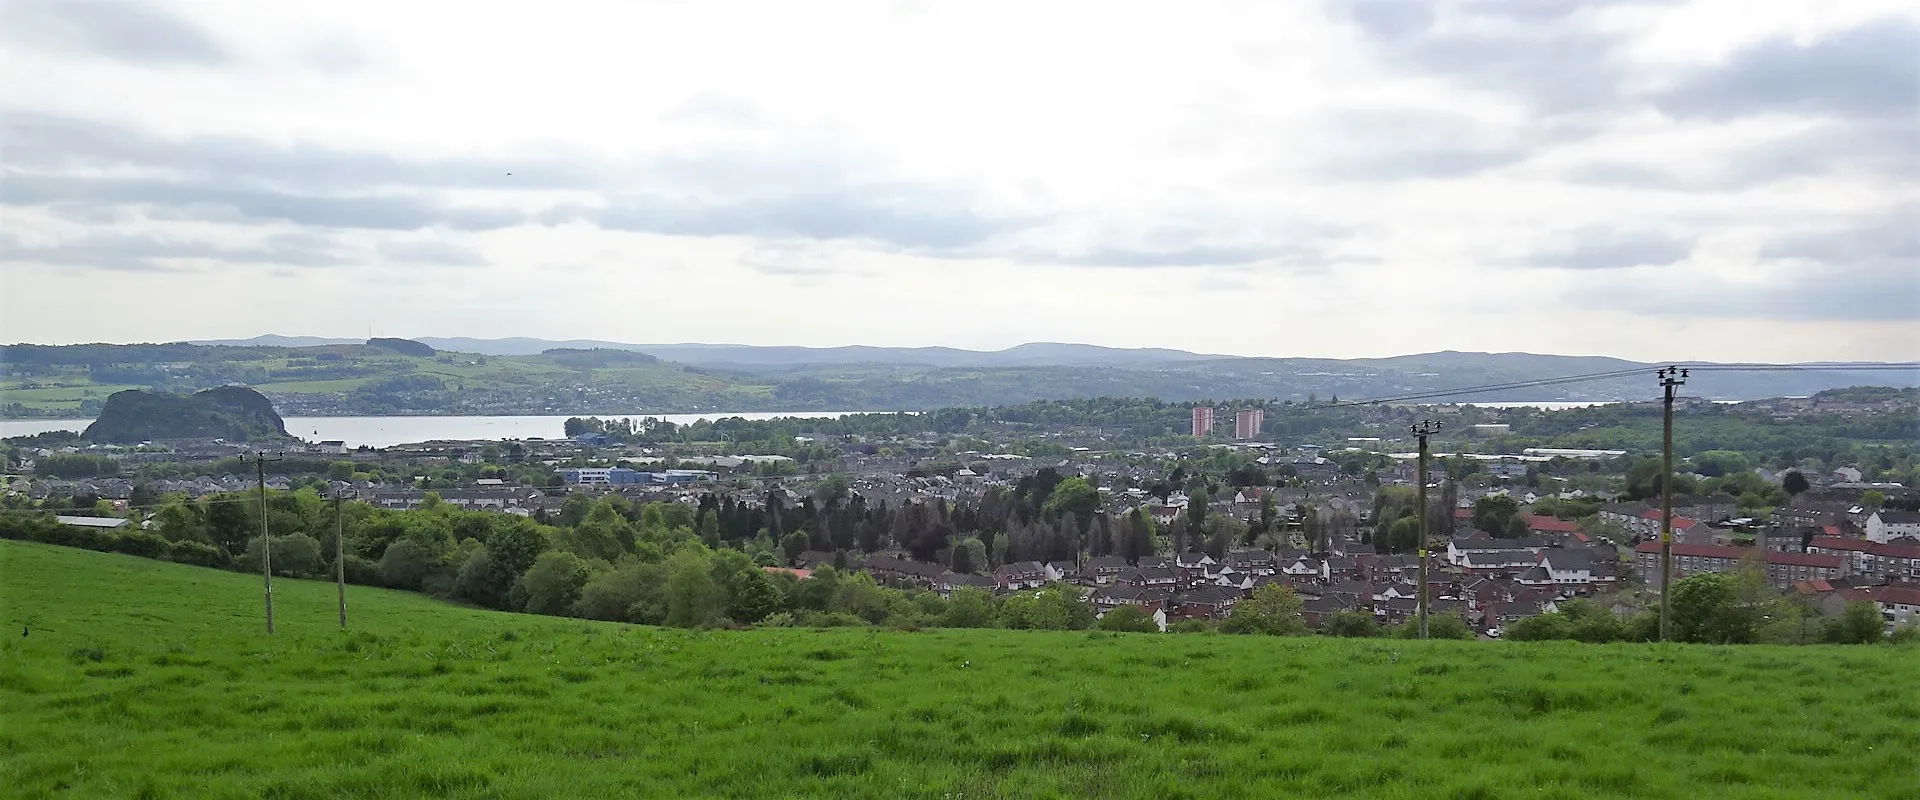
1715,179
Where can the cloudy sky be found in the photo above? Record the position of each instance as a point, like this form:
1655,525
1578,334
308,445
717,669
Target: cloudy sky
1721,179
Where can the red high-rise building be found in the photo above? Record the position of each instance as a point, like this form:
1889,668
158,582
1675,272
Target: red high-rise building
1202,420
1247,422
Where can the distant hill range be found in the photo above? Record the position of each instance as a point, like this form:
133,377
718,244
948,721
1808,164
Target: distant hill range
1036,354
229,412
311,376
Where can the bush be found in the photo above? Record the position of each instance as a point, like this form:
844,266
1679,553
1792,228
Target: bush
295,556
407,563
1191,626
1439,626
199,554
1128,618
1859,624
1908,634
140,543
1349,624
362,571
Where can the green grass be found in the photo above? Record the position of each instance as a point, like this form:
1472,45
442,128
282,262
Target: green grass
66,397
146,679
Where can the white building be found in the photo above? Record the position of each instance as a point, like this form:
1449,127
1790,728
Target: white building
1886,525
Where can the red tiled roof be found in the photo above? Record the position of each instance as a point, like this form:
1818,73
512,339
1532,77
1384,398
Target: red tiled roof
1830,530
1557,525
1833,543
1736,553
1463,513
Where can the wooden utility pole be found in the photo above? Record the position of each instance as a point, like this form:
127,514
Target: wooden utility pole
1422,431
1670,378
340,553
266,540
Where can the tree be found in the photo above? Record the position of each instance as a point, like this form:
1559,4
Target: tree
1138,540
295,556
407,563
1706,608
1268,512
793,545
1794,482
751,596
693,600
1075,496
1273,610
1128,618
1197,509
177,522
968,555
632,591
1860,623
553,584
1350,624
969,607
1495,514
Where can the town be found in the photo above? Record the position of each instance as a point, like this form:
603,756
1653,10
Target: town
1180,522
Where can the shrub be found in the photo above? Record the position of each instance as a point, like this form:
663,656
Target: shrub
140,543
1191,626
199,554
1130,618
1351,624
362,571
407,563
295,556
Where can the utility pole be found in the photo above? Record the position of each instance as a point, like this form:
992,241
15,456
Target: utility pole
260,460
1670,378
1422,431
340,553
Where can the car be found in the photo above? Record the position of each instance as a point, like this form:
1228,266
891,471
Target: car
1493,633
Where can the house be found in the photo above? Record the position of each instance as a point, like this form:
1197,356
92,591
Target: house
887,569
951,581
1100,571
1500,615
1548,526
1459,548
1059,570
1316,610
1573,567
1151,599
1020,575
1256,562
1208,602
331,447
1891,561
1887,524
1151,577
1782,569
103,523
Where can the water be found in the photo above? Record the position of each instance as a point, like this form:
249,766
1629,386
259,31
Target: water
389,431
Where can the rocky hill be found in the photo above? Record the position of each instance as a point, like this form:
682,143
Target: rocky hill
229,412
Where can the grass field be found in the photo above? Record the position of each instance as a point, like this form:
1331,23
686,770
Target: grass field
147,679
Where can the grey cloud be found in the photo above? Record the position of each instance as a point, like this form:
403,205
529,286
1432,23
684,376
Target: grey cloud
1893,237
1868,71
146,253
1880,148
806,190
39,142
431,252
905,217
1537,51
118,29
1593,249
202,200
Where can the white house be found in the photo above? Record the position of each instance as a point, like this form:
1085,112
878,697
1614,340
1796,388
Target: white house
1886,525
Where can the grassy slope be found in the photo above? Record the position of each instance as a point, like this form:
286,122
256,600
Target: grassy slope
191,699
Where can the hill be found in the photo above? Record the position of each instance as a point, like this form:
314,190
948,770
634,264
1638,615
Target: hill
142,678
228,412
375,378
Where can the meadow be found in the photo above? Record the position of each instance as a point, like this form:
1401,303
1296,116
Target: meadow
138,678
